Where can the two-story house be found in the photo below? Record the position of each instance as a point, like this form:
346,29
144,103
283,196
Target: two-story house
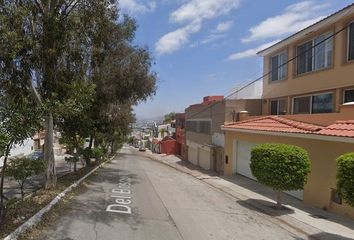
308,95
204,137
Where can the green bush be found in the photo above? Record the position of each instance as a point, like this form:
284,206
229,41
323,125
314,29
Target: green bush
345,177
280,166
98,153
21,169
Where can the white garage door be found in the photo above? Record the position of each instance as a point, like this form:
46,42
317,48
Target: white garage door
204,159
193,155
243,160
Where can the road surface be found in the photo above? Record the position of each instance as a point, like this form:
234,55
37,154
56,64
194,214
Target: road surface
136,198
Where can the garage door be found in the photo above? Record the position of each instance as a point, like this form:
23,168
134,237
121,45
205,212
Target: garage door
193,155
204,159
243,160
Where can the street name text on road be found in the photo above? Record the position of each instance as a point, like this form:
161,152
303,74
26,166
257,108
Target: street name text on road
122,197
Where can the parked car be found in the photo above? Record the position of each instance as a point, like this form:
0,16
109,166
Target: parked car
36,155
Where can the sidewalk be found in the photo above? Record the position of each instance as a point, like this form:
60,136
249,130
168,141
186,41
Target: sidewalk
312,222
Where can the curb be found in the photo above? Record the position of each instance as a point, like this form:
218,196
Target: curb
35,219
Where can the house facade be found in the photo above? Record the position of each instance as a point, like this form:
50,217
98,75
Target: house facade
202,123
204,138
180,136
308,95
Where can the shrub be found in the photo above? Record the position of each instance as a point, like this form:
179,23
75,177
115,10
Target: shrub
345,177
281,167
98,153
21,169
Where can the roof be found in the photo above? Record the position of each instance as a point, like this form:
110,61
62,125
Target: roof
302,33
275,124
340,129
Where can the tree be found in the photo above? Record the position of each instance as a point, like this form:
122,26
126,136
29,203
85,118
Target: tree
43,47
73,125
345,177
19,120
122,75
168,118
281,167
49,46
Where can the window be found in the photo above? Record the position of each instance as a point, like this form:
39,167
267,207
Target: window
322,103
302,105
349,95
204,127
278,107
351,42
191,126
279,66
315,54
201,126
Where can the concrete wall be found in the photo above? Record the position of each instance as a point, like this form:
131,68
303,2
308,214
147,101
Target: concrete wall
214,112
334,79
322,178
253,106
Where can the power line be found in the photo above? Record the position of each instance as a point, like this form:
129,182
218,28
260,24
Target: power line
275,69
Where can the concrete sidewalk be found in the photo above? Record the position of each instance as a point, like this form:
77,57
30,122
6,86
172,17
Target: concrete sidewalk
314,222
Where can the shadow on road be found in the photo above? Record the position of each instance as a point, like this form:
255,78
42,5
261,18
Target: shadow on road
265,207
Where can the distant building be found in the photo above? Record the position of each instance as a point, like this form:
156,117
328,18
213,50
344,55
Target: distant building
204,137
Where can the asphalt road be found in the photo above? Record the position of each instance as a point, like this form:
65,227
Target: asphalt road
164,204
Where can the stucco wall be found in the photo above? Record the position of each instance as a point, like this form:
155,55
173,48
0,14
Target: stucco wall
323,154
214,112
253,106
335,78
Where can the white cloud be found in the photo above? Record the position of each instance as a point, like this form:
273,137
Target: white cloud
223,27
212,38
251,52
294,18
175,40
200,10
137,6
193,13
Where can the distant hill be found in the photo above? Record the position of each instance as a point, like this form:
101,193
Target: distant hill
148,121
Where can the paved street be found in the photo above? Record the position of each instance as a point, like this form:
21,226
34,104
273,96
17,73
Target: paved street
164,204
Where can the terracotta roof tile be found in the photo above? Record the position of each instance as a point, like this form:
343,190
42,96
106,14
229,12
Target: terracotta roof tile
275,124
339,129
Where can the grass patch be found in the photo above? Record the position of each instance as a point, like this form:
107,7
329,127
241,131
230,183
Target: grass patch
19,211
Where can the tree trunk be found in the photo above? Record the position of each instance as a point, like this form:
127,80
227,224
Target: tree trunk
50,178
22,192
113,147
2,204
279,199
91,142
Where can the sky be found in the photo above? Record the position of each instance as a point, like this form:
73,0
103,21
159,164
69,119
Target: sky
208,47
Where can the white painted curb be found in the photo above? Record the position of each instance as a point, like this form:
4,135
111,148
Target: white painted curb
35,219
